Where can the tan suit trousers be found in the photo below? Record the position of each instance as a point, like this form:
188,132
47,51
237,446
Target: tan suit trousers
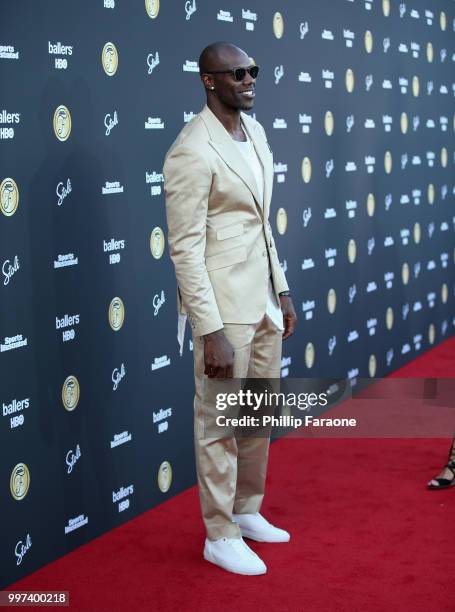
231,471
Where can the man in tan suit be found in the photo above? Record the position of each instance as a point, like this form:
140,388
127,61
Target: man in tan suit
218,178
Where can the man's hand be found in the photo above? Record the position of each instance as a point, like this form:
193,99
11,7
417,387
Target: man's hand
289,316
218,355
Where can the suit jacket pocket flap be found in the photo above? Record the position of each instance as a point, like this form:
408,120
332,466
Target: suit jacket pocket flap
225,259
230,231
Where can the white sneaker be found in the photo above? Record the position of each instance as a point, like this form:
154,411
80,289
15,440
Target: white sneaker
256,527
234,555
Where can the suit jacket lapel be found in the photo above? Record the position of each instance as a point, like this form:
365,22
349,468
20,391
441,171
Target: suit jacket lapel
222,142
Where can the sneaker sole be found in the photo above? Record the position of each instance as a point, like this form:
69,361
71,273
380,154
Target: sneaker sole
246,533
231,569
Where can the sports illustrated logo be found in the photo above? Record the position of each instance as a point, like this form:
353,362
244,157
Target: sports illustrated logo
116,313
110,122
7,133
13,342
63,261
160,362
153,8
190,66
121,438
76,523
109,59
60,63
62,123
111,246
278,25
224,16
8,52
9,269
158,300
117,376
153,178
19,481
119,496
112,187
279,124
188,116
63,191
152,61
21,548
67,324
190,8
165,476
70,393
154,123
305,77
157,242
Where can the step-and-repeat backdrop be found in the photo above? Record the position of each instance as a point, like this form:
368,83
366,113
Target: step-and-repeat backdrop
357,99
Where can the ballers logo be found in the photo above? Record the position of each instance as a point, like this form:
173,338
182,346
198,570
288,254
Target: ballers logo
278,25
404,123
405,273
388,162
368,41
9,197
152,7
352,251
165,476
19,481
328,123
389,318
116,313
331,301
349,80
70,393
370,204
62,123
109,59
372,366
309,355
157,242
281,221
306,169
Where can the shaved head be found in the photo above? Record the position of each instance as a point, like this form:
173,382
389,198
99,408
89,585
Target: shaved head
217,56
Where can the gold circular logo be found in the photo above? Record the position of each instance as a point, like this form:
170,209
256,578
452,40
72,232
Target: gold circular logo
389,317
415,86
157,242
109,59
281,221
62,123
331,301
349,80
431,333
443,20
19,481
404,123
417,232
370,204
9,197
165,476
386,7
309,355
352,250
278,25
430,193
328,123
405,273
70,393
430,53
306,169
368,41
116,313
388,162
444,157
152,7
372,366
444,293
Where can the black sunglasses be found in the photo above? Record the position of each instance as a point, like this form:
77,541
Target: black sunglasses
239,73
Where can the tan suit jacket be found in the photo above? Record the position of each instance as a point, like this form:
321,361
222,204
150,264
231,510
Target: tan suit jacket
220,239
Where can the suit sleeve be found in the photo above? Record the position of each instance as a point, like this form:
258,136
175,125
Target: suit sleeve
187,183
278,273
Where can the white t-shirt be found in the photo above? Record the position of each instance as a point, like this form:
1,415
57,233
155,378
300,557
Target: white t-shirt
247,149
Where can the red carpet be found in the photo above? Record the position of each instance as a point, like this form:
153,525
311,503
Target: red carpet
366,535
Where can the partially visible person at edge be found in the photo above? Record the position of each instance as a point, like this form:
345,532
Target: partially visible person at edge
218,179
